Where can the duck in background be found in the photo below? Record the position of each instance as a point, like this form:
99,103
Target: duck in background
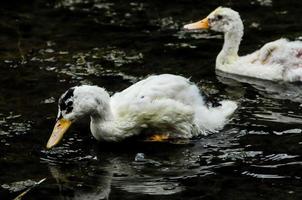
280,60
169,105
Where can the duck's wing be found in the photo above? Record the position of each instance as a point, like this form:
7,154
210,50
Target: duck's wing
163,101
165,86
282,52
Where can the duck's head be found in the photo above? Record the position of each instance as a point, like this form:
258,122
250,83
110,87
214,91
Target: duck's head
76,103
221,19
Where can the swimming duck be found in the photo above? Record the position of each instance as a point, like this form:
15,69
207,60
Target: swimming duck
280,60
169,104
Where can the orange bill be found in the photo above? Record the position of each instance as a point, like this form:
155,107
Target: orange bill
58,131
203,24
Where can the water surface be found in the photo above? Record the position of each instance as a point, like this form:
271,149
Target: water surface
45,48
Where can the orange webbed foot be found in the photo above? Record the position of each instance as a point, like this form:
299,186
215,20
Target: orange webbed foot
158,138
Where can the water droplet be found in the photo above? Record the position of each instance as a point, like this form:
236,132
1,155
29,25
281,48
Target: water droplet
140,157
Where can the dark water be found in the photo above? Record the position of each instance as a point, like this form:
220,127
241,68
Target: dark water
46,48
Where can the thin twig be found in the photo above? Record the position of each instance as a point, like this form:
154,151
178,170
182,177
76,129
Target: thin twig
19,197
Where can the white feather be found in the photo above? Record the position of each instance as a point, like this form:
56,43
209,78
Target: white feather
277,60
167,103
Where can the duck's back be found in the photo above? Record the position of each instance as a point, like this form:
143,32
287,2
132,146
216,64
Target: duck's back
168,103
164,102
165,86
280,60
284,53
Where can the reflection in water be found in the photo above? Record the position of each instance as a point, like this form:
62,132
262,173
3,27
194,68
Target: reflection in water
96,179
278,90
159,171
87,186
156,172
95,182
100,188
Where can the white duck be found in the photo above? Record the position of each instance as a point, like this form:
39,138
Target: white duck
275,61
167,104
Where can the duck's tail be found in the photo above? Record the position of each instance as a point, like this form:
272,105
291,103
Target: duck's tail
214,118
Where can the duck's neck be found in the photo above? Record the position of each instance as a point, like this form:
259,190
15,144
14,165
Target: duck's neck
103,125
229,52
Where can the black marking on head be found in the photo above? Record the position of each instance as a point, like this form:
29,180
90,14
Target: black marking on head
68,94
69,107
65,102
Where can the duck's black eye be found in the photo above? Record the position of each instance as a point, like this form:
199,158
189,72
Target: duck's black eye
219,17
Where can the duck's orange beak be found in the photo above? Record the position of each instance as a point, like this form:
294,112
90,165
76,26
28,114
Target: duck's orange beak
58,131
202,24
